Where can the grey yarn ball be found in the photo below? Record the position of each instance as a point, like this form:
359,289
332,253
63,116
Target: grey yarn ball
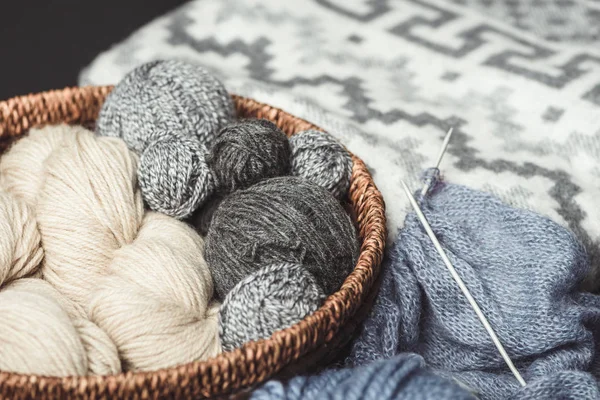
173,175
171,96
321,159
248,151
273,298
284,219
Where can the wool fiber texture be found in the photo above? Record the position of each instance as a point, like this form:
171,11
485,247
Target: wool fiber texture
139,276
281,220
169,96
319,158
522,269
248,151
43,333
173,175
401,377
273,298
169,112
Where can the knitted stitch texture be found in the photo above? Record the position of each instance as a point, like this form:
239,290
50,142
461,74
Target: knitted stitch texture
272,298
402,377
523,271
319,158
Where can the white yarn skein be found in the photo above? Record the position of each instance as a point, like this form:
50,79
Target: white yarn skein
141,278
163,319
23,167
20,240
40,337
40,331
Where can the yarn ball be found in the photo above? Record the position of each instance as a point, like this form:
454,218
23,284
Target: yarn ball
522,269
173,174
284,219
273,298
321,159
248,151
141,276
402,377
170,96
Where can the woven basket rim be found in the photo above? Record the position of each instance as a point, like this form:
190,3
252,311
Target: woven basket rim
255,361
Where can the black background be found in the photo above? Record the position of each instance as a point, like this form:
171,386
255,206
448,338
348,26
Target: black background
45,43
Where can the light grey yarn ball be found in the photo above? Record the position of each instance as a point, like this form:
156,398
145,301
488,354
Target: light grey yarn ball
173,175
319,158
272,298
172,96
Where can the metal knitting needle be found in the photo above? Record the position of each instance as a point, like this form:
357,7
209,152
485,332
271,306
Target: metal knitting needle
462,286
439,159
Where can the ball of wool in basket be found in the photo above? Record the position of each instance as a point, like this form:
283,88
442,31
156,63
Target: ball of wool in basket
171,96
522,269
284,219
402,377
273,298
173,175
140,276
321,159
248,151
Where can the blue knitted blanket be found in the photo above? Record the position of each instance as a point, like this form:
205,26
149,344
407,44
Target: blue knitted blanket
523,270
401,377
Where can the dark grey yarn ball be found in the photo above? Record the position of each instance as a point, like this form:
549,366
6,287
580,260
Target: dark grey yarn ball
321,159
273,298
173,175
171,96
248,151
284,219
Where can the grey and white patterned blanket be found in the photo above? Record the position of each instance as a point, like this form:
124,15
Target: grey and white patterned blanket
519,81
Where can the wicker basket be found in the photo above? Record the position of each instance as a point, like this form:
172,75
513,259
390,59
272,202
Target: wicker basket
289,351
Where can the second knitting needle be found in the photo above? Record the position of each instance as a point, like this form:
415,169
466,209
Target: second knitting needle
462,285
439,159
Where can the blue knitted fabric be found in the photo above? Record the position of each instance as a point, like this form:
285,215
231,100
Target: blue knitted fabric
522,269
402,377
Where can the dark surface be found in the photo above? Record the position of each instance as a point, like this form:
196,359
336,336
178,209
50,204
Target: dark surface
44,44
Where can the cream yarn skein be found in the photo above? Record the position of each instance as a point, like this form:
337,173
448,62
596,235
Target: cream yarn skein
40,331
154,303
141,277
23,168
20,240
39,335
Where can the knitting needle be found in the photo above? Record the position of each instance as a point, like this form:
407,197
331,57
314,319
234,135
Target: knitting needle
439,159
462,286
